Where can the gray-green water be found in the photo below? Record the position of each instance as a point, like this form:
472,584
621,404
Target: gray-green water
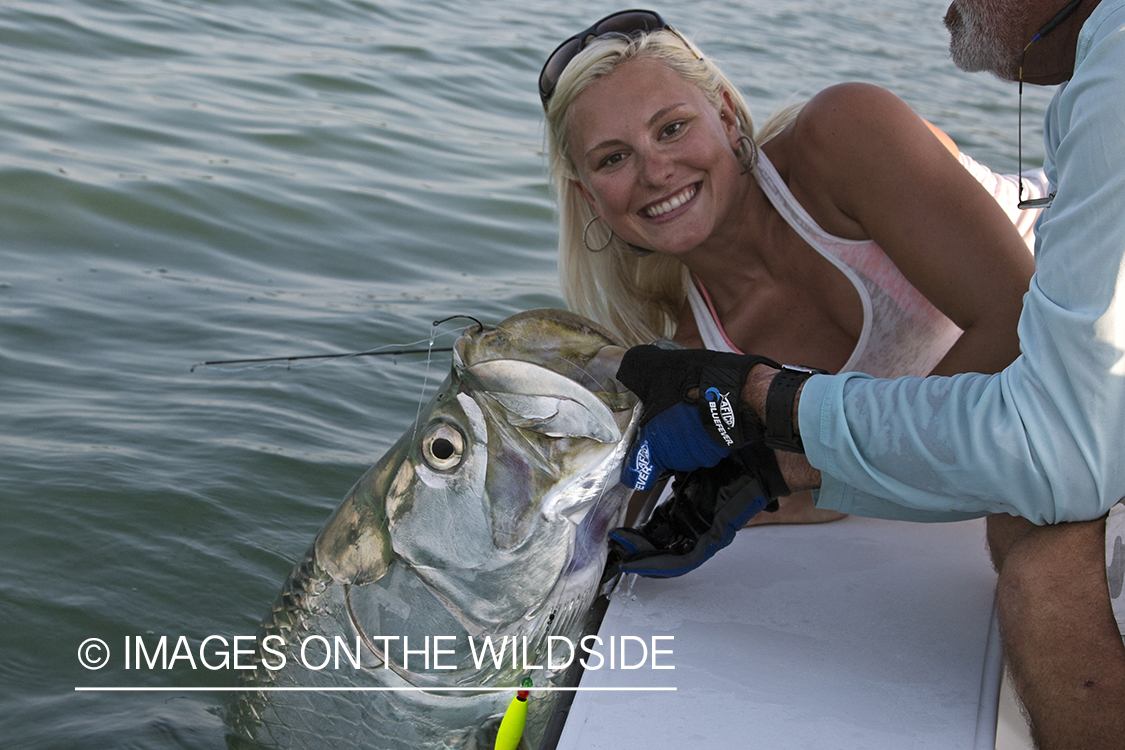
200,179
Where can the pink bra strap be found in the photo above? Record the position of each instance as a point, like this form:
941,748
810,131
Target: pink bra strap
715,315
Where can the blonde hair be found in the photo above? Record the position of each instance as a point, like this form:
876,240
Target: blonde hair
636,295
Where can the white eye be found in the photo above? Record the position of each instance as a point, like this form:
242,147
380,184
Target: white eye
443,446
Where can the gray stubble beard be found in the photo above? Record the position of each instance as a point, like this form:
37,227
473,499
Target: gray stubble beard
975,44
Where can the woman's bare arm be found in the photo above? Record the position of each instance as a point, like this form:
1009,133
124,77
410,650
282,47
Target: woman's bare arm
866,166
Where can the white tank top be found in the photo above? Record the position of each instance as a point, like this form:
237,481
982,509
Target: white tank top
902,334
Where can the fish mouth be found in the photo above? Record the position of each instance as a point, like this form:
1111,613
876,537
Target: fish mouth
665,206
413,678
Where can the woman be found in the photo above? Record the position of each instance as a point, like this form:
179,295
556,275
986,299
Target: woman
842,235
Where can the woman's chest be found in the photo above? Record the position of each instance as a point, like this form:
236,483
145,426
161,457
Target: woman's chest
810,313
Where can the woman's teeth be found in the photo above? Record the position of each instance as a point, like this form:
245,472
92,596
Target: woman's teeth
672,203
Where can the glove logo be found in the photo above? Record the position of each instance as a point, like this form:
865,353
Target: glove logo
722,412
643,465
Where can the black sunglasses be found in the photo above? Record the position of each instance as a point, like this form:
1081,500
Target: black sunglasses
624,22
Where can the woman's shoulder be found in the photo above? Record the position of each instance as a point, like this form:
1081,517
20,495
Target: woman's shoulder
849,91
849,111
845,137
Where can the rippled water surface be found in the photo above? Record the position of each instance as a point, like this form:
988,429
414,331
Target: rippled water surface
183,180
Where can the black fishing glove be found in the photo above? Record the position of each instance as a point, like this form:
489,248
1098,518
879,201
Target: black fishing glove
681,433
708,506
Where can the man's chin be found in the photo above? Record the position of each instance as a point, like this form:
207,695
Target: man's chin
973,54
971,60
973,50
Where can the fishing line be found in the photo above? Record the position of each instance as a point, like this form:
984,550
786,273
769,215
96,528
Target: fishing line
455,317
389,350
426,374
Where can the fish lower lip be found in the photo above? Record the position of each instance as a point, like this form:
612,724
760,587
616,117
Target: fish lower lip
359,628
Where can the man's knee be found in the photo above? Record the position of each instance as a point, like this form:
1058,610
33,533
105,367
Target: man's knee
1062,643
1050,574
1047,555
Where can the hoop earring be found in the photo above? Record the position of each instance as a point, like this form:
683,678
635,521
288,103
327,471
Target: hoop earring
751,162
586,238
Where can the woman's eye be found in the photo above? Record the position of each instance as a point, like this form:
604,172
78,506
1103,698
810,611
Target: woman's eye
443,446
612,159
671,129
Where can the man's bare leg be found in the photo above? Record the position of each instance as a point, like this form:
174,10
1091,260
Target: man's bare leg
1061,640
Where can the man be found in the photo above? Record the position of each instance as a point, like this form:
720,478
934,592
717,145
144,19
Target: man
1041,444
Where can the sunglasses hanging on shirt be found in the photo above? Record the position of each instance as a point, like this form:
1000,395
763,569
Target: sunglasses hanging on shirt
1046,29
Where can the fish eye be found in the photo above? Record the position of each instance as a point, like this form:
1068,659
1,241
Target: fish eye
443,446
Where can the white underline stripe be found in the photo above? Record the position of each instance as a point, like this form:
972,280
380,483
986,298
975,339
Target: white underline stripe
364,689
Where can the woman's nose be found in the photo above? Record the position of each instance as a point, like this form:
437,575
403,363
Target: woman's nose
656,167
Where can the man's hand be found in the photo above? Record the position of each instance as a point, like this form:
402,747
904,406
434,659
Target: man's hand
693,412
708,506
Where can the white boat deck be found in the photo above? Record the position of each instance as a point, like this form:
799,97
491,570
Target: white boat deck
860,634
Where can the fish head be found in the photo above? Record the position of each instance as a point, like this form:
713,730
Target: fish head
507,484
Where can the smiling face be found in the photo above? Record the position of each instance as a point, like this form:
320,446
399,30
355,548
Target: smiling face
655,158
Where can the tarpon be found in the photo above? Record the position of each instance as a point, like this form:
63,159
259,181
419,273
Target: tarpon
483,527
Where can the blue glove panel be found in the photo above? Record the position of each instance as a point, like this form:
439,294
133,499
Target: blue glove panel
706,510
657,565
674,439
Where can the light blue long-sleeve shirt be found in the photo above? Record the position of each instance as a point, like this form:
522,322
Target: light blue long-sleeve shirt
1045,438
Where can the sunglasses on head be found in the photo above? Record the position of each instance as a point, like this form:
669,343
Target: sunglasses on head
625,23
